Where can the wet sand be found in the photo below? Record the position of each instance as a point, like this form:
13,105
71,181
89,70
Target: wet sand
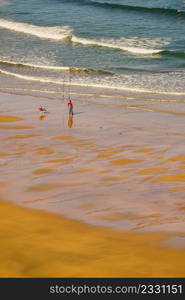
39,244
106,166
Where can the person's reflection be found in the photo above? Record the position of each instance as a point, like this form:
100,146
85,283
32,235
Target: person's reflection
42,116
70,121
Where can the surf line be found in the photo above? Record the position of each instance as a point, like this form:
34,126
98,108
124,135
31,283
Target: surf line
116,88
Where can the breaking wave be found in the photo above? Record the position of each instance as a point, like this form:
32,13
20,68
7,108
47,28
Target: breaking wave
45,32
54,68
62,33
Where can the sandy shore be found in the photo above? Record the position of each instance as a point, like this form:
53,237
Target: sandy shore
107,166
35,243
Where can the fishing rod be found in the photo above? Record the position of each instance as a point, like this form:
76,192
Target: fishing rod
63,89
69,85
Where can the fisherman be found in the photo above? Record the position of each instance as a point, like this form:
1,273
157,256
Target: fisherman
70,106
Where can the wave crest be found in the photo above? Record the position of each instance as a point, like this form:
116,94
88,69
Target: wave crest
55,68
64,33
46,32
156,10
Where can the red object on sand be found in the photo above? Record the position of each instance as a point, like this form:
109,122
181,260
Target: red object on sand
41,108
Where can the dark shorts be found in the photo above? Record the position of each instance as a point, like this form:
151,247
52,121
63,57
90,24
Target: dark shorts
71,110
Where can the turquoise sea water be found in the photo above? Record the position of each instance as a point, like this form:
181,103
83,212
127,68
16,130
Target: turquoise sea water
131,45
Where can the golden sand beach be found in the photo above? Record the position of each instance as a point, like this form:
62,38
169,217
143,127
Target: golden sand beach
100,195
39,244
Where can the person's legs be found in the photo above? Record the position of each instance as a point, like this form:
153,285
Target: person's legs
71,110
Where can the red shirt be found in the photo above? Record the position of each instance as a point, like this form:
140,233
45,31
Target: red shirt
70,104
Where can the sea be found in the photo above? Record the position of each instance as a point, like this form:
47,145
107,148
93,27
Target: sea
125,47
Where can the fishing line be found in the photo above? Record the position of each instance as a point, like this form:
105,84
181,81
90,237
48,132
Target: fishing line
69,85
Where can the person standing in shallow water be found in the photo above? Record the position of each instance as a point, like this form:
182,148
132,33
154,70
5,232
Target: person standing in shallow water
70,106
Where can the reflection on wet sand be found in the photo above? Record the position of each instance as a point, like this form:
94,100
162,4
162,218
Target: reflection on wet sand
70,121
133,182
8,119
42,116
48,245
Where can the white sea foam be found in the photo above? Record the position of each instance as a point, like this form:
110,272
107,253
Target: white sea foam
13,63
52,68
45,32
144,46
89,84
122,44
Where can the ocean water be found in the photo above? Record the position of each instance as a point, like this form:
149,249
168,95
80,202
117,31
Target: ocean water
118,45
